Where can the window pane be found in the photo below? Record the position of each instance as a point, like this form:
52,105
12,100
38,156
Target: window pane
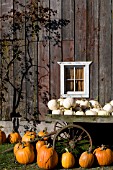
69,72
69,78
69,86
79,79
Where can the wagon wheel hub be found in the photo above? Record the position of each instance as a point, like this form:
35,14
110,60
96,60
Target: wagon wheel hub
72,144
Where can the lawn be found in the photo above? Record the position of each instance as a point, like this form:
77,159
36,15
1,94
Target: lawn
8,162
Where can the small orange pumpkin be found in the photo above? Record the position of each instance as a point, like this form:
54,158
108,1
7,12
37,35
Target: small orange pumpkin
30,133
43,133
2,137
28,136
14,137
67,159
47,157
104,155
86,159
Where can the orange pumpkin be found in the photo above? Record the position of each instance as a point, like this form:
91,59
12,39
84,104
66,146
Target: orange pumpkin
104,155
30,133
43,133
14,137
86,159
25,155
2,137
21,145
39,144
28,136
67,160
47,157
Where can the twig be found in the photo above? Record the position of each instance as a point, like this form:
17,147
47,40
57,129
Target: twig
7,150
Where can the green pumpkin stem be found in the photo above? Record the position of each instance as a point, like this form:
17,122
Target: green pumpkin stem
66,150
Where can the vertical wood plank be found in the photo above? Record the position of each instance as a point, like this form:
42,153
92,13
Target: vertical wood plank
68,31
112,51
68,50
43,78
6,6
105,51
93,45
43,73
55,56
0,64
67,13
80,30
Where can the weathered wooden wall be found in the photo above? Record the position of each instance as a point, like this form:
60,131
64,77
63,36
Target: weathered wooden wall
88,37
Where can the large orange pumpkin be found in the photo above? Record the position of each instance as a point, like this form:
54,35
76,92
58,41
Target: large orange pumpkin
67,160
2,137
20,145
86,159
25,155
104,155
47,157
14,137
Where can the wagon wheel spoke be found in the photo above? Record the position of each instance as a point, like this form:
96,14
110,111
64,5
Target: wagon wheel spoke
59,125
80,136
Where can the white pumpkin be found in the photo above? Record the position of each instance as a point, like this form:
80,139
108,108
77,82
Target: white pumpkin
103,112
108,107
68,112
69,102
79,112
53,104
91,112
84,104
95,103
57,112
60,100
78,102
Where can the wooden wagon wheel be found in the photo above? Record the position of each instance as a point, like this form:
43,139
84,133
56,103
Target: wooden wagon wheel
73,137
59,124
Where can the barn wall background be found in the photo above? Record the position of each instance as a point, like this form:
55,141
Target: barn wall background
88,37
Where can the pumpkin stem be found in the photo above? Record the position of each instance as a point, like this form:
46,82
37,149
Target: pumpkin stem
1,127
103,147
66,150
45,130
89,150
48,145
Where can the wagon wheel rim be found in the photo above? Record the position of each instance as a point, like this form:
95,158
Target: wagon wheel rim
58,125
72,137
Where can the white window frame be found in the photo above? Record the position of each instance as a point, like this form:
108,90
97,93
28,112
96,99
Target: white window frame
75,94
